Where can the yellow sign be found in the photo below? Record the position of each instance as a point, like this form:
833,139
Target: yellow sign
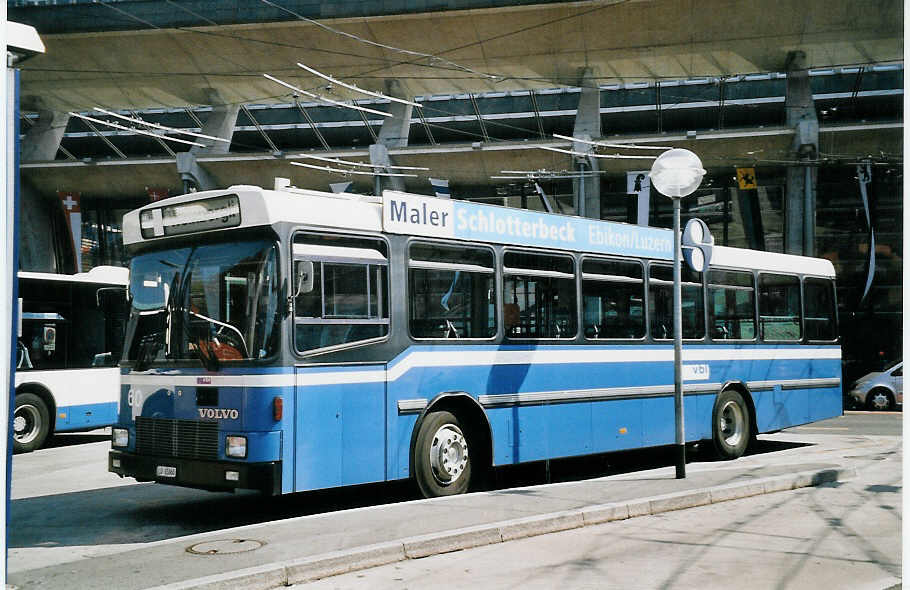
746,178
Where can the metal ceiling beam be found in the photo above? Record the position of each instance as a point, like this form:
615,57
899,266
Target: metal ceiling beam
483,127
259,128
312,125
107,141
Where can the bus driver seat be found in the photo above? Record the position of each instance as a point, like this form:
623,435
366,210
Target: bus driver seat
511,316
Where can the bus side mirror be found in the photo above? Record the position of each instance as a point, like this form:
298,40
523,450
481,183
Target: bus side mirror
108,298
303,277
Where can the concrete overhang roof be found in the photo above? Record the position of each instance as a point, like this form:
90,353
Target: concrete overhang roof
466,164
537,46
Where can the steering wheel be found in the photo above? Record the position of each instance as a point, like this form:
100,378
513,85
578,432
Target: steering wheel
229,338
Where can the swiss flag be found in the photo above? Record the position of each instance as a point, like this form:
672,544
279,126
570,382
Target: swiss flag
69,200
156,194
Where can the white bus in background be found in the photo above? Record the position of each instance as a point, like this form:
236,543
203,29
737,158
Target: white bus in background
69,340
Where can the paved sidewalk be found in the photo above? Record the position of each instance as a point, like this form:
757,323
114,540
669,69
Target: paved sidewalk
274,554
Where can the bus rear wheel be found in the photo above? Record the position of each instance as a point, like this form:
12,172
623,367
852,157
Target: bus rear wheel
31,423
442,463
731,425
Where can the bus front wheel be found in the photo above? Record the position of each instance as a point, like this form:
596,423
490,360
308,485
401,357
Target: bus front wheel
731,428
31,423
442,464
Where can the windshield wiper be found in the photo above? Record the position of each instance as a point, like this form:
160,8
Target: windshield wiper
149,345
205,355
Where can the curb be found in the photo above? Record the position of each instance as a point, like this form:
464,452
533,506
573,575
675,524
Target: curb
277,575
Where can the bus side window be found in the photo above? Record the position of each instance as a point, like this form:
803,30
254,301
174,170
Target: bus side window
779,307
543,288
348,303
344,296
731,305
43,344
613,293
820,311
660,303
451,291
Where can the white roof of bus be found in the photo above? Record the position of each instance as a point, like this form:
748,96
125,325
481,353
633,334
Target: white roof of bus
364,213
770,261
106,275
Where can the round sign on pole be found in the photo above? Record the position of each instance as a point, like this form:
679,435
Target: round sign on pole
697,244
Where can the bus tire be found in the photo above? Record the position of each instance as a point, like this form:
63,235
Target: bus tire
731,428
442,463
31,423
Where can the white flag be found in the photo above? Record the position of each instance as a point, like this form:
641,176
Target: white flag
441,186
639,183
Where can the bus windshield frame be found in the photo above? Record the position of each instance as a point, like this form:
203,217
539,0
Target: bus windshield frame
211,303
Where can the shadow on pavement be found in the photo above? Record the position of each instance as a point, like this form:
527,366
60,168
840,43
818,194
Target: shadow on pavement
70,439
153,512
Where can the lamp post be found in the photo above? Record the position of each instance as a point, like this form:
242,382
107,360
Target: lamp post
22,42
677,173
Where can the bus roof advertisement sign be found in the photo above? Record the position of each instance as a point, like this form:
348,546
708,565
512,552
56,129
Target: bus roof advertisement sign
429,216
422,216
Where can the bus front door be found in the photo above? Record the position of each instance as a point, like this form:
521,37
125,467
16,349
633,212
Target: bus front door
340,426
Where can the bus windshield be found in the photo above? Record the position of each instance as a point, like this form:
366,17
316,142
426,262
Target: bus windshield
212,303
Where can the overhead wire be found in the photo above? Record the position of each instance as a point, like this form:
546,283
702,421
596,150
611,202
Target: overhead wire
134,130
435,63
419,54
161,127
342,171
349,163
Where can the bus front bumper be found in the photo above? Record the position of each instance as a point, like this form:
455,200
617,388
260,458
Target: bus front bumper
194,473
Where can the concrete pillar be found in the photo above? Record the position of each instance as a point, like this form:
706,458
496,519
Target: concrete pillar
393,134
799,199
194,176
395,129
37,251
221,123
379,156
42,141
587,126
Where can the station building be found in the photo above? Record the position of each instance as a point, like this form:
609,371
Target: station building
797,117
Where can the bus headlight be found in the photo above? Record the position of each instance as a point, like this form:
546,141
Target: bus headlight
235,446
120,437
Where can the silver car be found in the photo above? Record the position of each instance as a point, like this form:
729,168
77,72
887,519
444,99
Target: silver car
880,390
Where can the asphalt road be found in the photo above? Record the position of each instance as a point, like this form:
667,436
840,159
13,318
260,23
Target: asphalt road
64,500
858,422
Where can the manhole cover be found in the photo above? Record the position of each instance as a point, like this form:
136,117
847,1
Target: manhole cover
225,547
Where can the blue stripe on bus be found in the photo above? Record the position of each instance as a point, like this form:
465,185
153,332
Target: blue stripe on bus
84,416
527,433
350,431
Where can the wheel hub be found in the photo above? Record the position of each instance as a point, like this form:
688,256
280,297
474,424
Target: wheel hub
879,401
448,454
26,424
732,423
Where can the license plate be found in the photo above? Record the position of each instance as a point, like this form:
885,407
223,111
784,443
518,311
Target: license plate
166,471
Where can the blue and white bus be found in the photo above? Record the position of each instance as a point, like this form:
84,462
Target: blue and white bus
69,340
287,340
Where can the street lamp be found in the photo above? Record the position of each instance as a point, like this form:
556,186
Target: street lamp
677,173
